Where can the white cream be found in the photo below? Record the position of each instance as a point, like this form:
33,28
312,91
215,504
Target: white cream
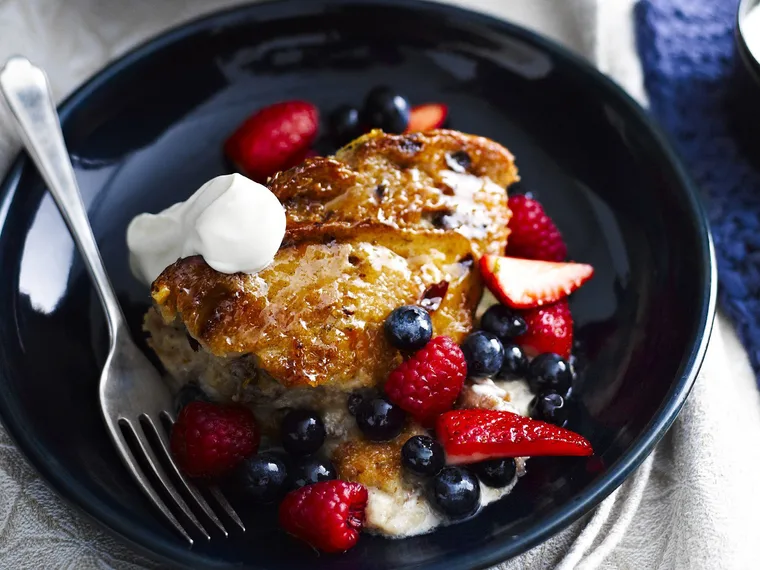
236,224
751,31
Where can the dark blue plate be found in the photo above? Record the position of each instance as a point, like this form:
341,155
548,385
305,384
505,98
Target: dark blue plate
148,131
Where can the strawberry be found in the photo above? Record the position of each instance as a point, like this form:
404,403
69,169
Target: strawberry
430,381
208,439
550,329
474,435
327,515
533,234
527,283
274,138
427,117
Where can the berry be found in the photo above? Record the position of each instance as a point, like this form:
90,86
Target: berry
550,329
309,470
455,492
274,138
327,515
423,455
259,479
302,431
344,125
550,407
549,371
384,109
430,381
533,234
354,401
379,419
190,392
409,327
208,440
484,354
496,472
427,117
526,283
515,363
502,322
474,435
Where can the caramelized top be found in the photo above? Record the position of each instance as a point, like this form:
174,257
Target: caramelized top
390,220
442,180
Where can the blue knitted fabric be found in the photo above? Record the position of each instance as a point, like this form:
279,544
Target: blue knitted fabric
688,55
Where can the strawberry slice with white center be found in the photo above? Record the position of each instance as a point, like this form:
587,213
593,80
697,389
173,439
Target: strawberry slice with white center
526,283
473,435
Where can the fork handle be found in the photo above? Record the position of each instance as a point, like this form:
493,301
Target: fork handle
28,95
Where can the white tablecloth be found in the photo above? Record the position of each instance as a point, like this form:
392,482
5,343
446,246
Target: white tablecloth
692,505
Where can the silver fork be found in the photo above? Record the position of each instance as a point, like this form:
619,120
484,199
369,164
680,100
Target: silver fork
133,396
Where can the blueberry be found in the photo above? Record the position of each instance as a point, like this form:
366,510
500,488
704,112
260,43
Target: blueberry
455,491
190,392
354,401
385,109
550,371
302,431
259,478
379,419
550,407
423,455
484,354
502,322
496,472
409,327
515,363
344,125
309,470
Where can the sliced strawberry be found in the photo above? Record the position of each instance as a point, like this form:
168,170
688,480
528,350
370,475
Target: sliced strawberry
274,138
550,329
474,435
427,117
527,283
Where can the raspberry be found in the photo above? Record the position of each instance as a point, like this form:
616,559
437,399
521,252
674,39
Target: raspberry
327,515
208,439
429,382
533,233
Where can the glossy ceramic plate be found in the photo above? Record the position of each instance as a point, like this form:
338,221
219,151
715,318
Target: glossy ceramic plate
148,130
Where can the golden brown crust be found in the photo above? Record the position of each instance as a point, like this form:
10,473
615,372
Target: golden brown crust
433,180
315,315
369,230
373,464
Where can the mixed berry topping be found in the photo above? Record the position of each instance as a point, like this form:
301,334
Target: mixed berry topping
259,479
549,371
387,110
503,322
496,472
429,382
484,354
550,407
455,492
328,515
515,363
344,125
309,470
190,392
423,455
409,328
208,440
533,234
379,419
302,432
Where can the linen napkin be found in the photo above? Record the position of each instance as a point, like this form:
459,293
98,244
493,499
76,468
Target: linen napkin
691,503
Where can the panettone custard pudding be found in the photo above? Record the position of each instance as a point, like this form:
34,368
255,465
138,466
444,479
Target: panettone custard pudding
377,340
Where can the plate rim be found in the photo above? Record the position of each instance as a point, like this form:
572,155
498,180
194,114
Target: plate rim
71,491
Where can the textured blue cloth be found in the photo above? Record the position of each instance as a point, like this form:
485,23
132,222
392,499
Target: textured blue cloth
689,60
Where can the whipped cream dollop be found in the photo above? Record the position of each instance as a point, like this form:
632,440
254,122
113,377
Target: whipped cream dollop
236,224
